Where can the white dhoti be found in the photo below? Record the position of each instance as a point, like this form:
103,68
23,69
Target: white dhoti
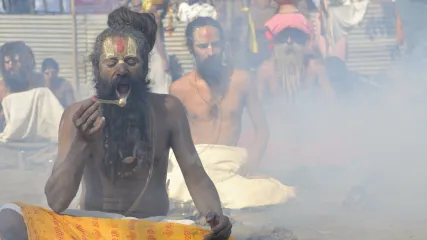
222,163
160,80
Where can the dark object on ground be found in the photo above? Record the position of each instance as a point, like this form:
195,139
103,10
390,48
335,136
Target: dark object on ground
276,234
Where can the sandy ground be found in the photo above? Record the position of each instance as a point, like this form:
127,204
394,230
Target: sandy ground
308,220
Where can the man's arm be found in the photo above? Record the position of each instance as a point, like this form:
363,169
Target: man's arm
64,181
323,79
200,186
159,39
256,113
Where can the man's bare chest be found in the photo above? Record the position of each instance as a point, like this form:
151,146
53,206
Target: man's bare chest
205,105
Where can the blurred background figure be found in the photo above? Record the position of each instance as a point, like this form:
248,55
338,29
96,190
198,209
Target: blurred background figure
17,65
60,87
187,12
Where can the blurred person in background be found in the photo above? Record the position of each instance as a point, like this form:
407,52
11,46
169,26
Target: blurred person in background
18,6
187,12
60,87
295,66
17,67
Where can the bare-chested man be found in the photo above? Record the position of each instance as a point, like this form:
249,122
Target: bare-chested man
121,153
215,95
62,89
293,67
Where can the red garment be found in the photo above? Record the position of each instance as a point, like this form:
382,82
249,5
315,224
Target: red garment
281,21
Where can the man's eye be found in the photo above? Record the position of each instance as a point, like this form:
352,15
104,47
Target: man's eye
203,45
131,61
111,62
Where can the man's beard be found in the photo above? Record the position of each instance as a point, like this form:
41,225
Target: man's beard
289,67
128,130
211,68
16,81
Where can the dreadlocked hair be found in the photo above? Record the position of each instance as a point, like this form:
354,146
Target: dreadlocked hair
145,23
26,55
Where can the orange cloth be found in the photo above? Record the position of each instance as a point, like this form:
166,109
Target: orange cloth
43,224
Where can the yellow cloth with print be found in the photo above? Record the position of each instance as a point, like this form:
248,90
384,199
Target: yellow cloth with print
43,224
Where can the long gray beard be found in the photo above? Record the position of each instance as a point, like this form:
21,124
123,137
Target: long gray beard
290,70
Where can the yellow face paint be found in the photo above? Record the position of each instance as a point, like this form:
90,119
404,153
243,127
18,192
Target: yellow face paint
115,47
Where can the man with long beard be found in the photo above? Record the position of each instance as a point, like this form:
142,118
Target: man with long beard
215,95
17,67
293,67
120,153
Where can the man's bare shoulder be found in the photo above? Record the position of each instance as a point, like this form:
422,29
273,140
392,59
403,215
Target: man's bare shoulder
168,107
167,102
182,85
241,79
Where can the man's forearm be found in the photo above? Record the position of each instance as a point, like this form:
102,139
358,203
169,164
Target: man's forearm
205,196
260,145
64,182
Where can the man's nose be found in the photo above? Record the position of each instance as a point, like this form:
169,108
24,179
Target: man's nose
121,69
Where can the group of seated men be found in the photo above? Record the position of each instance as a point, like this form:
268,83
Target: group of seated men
121,153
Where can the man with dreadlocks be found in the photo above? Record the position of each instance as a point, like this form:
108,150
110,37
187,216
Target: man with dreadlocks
120,153
294,66
17,67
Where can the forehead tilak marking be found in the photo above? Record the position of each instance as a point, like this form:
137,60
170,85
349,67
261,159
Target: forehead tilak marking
132,47
108,47
205,34
120,47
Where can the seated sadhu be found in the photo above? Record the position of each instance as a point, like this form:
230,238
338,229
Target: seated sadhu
120,153
294,69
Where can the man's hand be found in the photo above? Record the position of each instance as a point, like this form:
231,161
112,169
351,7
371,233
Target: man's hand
220,226
88,120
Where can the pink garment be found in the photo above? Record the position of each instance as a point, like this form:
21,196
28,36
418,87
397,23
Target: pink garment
281,21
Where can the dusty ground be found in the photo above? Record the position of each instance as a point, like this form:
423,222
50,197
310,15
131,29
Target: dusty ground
308,221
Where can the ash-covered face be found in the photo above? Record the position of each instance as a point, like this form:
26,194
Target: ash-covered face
121,70
127,129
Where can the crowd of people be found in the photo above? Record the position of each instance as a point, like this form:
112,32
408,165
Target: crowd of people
122,155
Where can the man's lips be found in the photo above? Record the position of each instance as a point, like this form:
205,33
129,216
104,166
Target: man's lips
123,90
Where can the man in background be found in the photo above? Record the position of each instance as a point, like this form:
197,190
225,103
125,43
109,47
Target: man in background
17,67
58,85
295,66
215,95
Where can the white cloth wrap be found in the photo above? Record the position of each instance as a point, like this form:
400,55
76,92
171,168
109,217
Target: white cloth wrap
222,164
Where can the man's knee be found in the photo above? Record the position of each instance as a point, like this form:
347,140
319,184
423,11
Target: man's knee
12,225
